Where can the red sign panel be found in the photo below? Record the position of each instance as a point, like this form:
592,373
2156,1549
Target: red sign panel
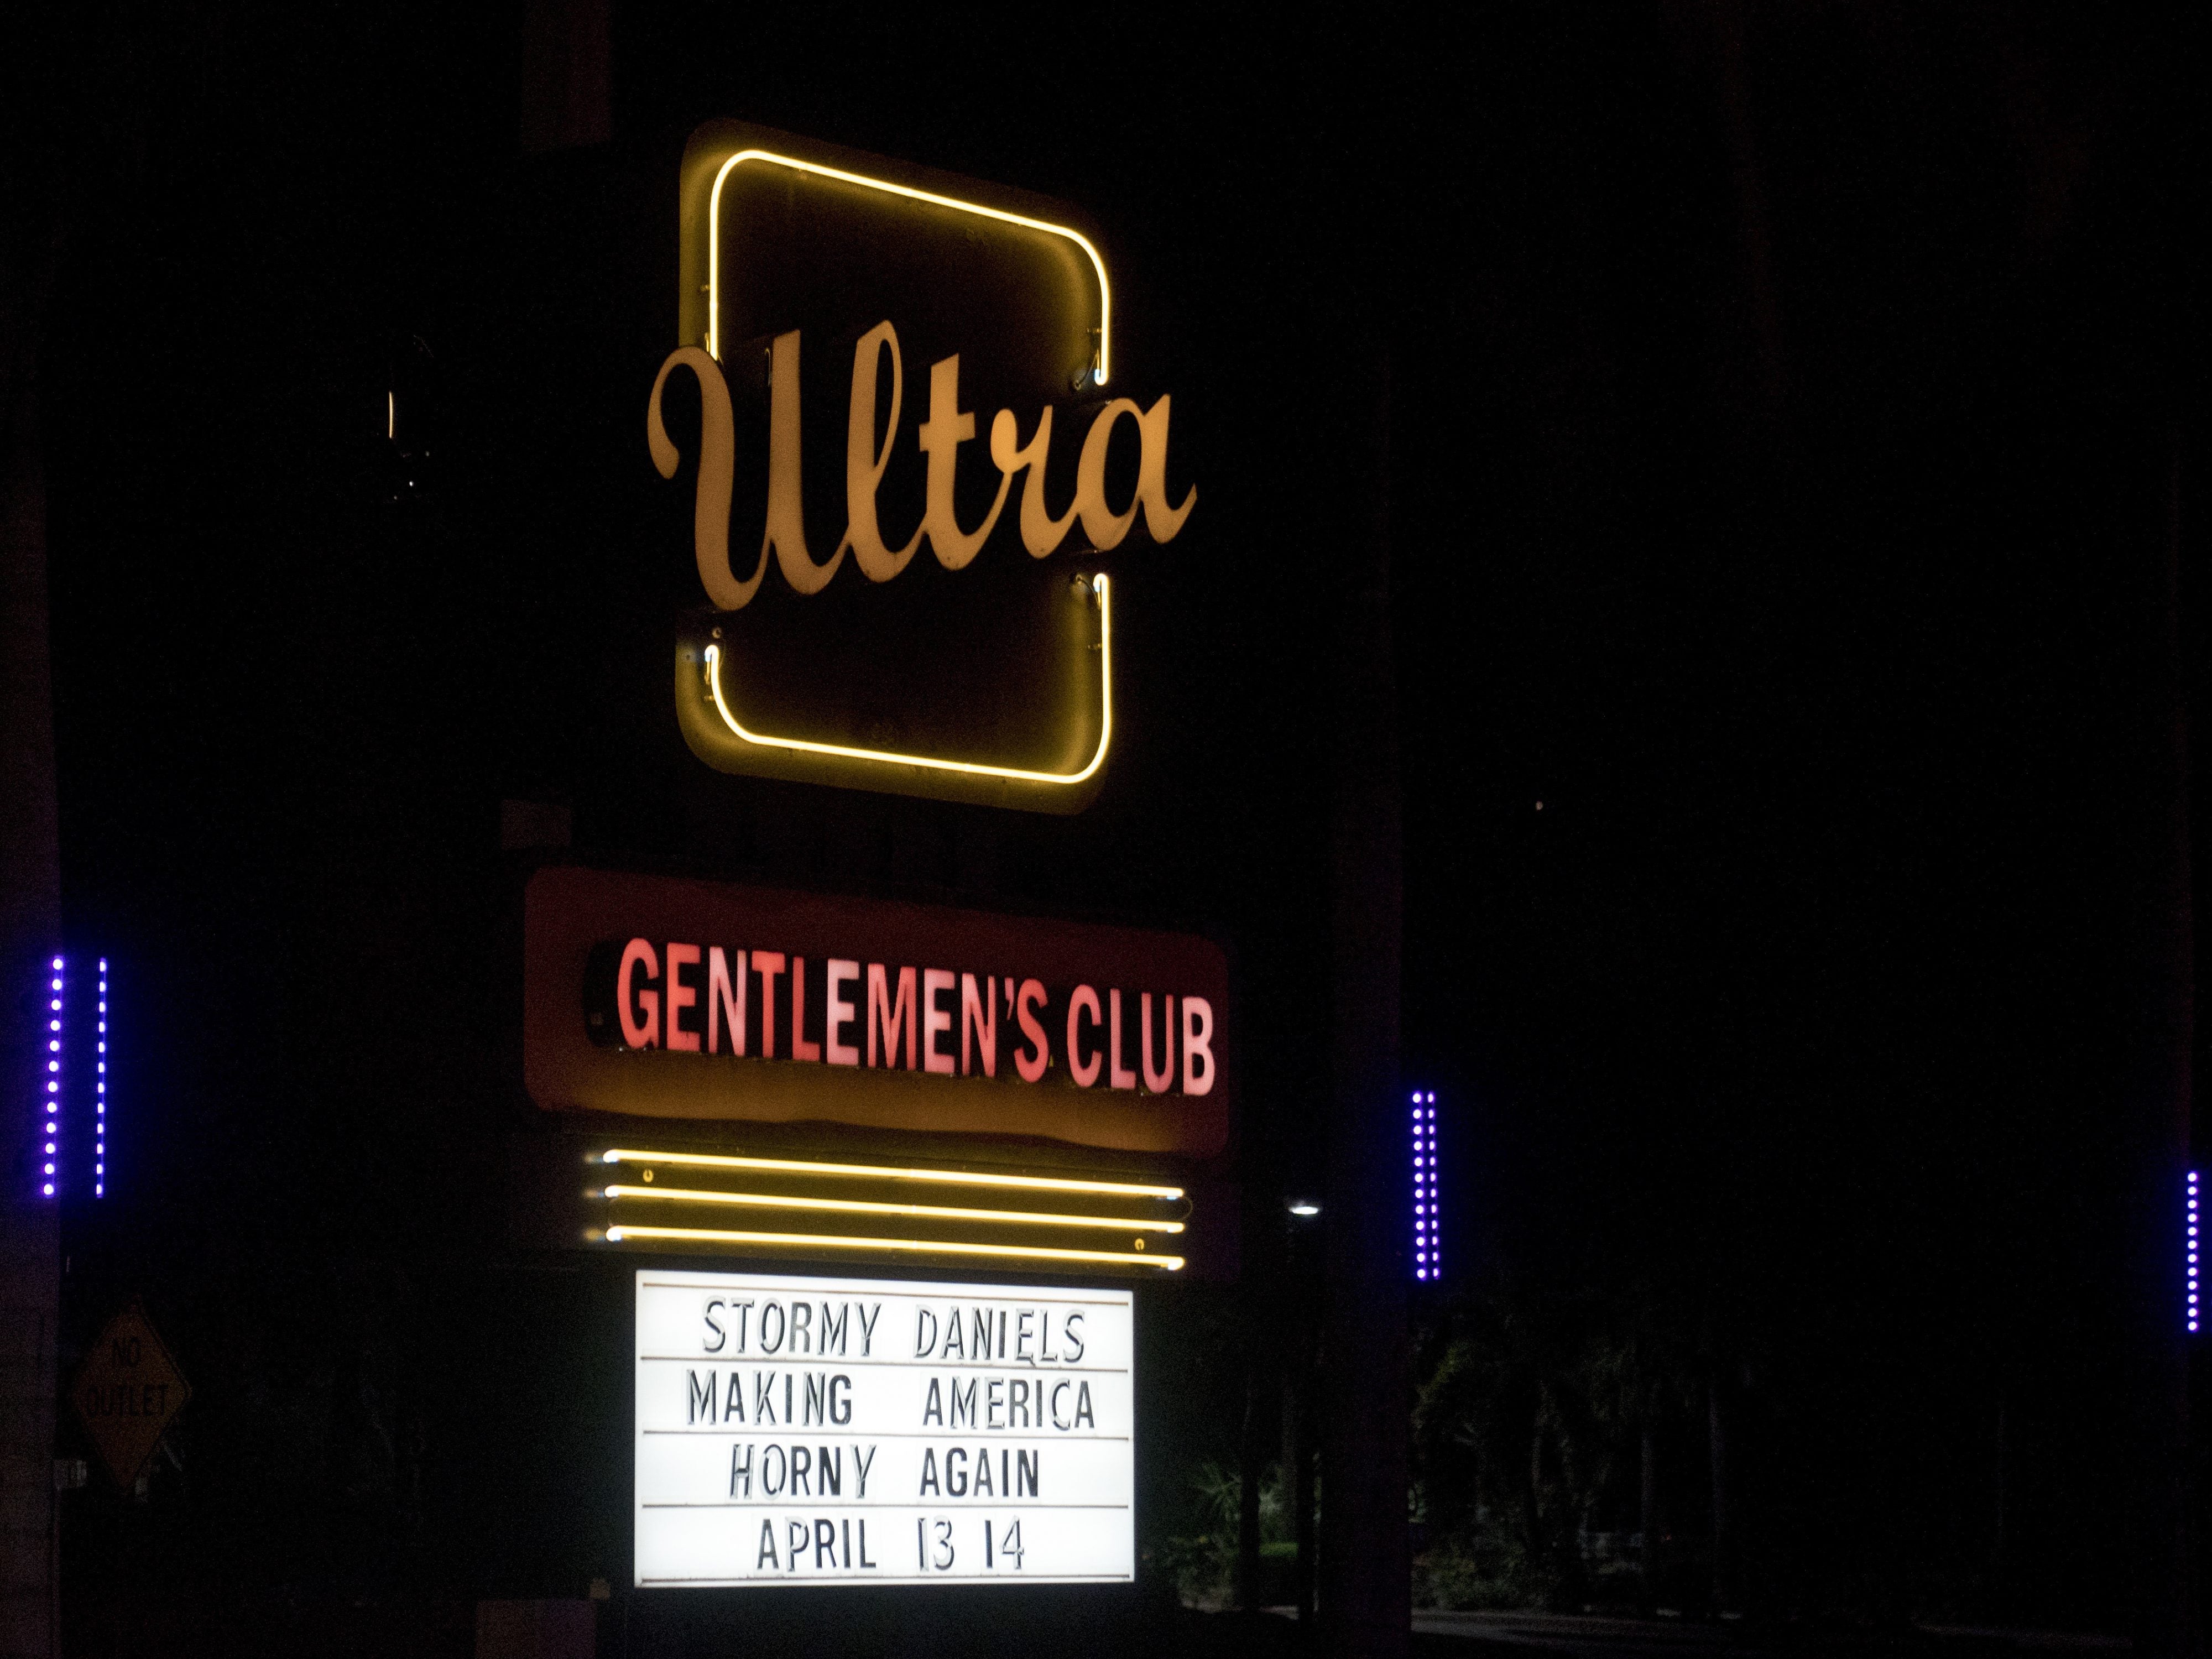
659,998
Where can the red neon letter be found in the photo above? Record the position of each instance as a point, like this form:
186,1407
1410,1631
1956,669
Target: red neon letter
768,964
636,1036
979,1017
1030,1066
935,1020
1118,1076
1084,1076
680,997
1161,1081
800,1048
885,1015
839,1013
725,997
1197,1068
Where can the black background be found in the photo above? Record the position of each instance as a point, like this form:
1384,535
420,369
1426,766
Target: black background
1788,413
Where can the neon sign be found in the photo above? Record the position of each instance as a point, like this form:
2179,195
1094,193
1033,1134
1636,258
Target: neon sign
649,1005
770,158
1082,774
654,997
822,1207
1009,301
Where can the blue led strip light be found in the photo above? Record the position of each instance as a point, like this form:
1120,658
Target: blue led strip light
2192,1257
100,1097
51,1182
1428,1254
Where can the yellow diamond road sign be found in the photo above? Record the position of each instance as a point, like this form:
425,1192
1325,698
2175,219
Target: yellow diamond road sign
127,1391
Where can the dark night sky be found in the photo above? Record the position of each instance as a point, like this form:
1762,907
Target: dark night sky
1785,408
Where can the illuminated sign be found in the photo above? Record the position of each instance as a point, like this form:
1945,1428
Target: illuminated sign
662,1198
862,1432
810,278
669,999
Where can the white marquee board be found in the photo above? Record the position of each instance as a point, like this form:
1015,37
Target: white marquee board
800,1430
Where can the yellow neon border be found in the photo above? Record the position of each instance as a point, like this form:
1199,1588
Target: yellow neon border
869,1206
715,240
1036,1252
875,1172
1099,584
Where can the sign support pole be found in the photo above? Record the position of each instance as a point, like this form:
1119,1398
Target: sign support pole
1366,1571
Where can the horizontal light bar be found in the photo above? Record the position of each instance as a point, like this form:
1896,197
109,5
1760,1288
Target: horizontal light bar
876,1172
865,1207
909,1246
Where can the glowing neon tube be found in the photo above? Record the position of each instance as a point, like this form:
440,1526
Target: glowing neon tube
1099,584
865,1207
909,1246
714,238
883,1172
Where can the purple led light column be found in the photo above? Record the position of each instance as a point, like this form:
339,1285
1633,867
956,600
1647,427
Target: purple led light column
1428,1255
2189,1261
50,1182
99,1095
